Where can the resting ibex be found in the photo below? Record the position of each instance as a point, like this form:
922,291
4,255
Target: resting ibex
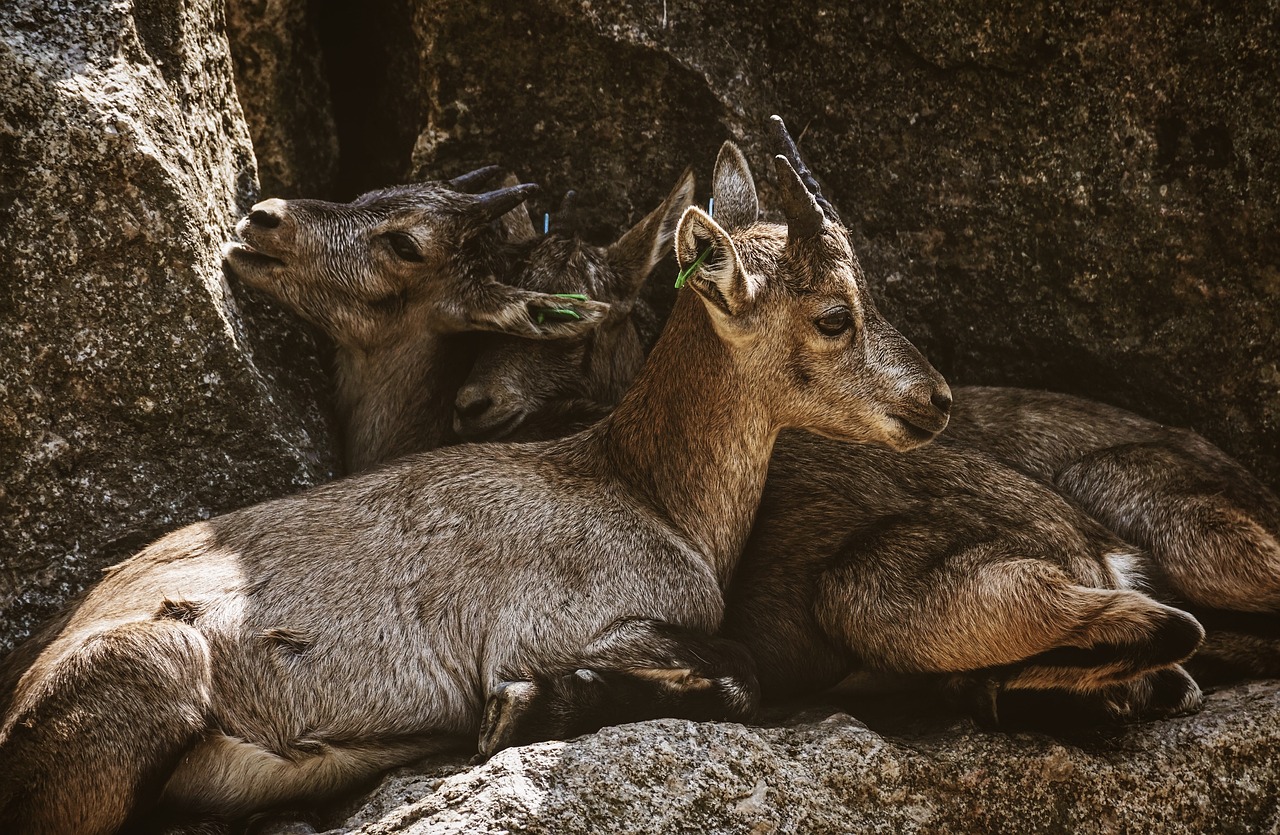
598,367
396,278
938,560
289,649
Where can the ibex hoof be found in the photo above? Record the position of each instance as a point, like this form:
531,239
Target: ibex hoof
503,711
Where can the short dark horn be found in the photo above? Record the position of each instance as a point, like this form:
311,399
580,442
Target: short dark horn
494,204
787,147
565,219
804,215
475,179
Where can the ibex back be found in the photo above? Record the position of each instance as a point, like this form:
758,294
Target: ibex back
293,648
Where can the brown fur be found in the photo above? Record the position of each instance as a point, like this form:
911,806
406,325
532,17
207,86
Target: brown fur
417,587
940,560
395,279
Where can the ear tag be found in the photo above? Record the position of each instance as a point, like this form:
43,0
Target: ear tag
546,223
562,314
711,207
687,272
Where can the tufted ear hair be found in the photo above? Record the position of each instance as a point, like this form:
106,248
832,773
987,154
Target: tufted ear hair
734,189
636,253
710,264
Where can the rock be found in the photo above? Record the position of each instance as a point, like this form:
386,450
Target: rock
1077,197
138,391
280,81
827,772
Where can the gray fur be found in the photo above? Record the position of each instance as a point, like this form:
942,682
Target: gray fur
331,635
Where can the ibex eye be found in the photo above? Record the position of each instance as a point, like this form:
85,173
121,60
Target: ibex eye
404,246
835,321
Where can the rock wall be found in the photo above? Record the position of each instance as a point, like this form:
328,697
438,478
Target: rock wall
1075,196
138,391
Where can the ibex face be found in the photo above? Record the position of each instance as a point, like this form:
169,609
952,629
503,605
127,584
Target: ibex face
513,378
796,298
415,257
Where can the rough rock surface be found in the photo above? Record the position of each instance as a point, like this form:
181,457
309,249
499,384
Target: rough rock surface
280,81
1076,196
137,392
827,772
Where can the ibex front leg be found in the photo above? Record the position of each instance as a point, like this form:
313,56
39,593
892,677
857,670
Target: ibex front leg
636,669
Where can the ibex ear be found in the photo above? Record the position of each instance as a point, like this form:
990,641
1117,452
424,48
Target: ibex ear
734,189
637,252
709,263
516,225
527,313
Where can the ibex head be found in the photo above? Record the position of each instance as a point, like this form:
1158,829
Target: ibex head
795,299
514,378
419,257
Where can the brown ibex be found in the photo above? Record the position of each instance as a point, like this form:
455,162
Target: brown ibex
598,366
395,279
939,561
290,649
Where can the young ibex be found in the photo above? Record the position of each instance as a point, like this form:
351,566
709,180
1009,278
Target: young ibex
289,649
598,367
938,561
396,278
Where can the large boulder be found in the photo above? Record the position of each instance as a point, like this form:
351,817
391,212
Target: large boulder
1074,196
828,772
138,391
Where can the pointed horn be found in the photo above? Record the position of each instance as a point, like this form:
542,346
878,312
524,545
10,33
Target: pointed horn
494,204
475,179
565,219
804,215
786,146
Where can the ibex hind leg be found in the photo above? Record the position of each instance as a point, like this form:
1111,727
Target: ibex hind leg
637,669
1023,622
1158,695
1122,636
1212,530
91,742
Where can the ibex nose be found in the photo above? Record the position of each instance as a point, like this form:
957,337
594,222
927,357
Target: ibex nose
268,214
942,400
472,402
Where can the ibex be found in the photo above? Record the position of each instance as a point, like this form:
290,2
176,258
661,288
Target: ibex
599,366
395,279
938,560
290,649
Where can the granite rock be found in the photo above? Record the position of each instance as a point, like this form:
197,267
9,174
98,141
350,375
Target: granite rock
824,771
138,390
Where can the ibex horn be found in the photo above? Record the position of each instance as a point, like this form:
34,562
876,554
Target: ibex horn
494,204
787,147
804,216
566,217
475,179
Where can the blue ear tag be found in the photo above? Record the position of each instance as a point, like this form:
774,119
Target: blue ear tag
546,223
711,207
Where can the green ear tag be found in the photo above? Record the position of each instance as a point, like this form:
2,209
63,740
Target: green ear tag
562,314
558,314
687,272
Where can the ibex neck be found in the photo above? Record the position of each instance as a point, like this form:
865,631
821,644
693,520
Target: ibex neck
398,400
691,438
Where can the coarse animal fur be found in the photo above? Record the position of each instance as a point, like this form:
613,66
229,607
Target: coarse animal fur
399,279
939,561
291,649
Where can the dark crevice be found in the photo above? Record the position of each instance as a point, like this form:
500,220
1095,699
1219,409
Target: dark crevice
370,60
